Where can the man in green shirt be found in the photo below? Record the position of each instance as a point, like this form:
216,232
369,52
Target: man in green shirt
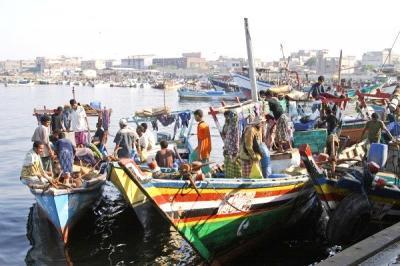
374,128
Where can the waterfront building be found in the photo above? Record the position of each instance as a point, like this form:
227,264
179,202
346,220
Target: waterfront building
187,61
93,64
137,61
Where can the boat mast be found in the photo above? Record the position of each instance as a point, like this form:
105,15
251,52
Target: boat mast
340,67
252,74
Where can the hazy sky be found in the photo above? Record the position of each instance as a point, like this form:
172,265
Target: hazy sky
115,29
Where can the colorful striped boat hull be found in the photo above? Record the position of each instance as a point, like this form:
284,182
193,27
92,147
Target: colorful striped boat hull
385,200
224,211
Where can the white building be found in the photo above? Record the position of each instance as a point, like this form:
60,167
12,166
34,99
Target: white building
327,65
137,61
93,64
377,58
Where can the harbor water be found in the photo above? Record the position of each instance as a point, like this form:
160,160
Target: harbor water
110,234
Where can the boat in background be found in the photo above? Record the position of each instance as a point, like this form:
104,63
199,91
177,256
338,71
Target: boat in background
167,85
209,95
243,82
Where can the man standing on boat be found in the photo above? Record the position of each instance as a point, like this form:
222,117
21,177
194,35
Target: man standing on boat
203,148
79,124
282,122
250,146
32,169
148,135
124,140
374,128
42,134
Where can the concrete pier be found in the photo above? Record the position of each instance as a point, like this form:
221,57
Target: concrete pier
383,248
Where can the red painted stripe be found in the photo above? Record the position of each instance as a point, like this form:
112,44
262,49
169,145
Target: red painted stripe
181,197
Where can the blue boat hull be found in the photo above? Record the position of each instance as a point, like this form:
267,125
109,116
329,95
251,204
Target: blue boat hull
64,210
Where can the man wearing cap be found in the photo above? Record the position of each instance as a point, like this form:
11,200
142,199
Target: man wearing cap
249,147
42,134
79,123
124,140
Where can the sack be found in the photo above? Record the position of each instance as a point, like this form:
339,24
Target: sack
255,171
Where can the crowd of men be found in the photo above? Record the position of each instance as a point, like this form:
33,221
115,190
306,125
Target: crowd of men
53,153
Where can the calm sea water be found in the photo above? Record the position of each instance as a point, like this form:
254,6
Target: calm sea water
111,233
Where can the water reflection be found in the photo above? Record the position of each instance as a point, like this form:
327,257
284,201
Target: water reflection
111,234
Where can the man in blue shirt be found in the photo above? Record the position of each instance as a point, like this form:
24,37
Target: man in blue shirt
317,88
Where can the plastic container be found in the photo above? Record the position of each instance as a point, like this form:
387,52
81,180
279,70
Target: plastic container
299,126
265,161
378,153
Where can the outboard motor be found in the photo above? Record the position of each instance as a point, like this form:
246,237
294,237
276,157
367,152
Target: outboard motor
394,100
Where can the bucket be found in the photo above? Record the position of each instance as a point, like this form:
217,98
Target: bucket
378,153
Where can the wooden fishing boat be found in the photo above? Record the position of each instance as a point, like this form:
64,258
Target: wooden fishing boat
133,196
209,95
215,214
353,196
168,85
64,207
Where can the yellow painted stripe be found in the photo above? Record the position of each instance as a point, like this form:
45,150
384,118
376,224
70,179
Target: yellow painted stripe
154,191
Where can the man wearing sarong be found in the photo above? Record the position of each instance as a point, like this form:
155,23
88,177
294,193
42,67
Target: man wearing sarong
282,134
65,152
231,138
79,124
249,146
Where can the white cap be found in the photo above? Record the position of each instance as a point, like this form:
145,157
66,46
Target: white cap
123,122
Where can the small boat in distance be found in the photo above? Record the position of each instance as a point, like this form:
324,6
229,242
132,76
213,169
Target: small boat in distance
167,85
209,95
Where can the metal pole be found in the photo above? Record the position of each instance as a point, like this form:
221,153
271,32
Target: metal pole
252,74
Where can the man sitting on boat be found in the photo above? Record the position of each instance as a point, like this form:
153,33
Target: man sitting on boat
165,157
317,88
374,128
32,169
42,134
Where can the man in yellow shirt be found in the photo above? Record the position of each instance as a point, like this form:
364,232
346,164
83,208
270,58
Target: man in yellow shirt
32,169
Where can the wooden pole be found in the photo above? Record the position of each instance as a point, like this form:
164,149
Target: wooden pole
340,69
252,74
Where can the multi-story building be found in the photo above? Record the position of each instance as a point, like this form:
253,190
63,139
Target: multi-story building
188,60
327,65
137,61
378,58
93,64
